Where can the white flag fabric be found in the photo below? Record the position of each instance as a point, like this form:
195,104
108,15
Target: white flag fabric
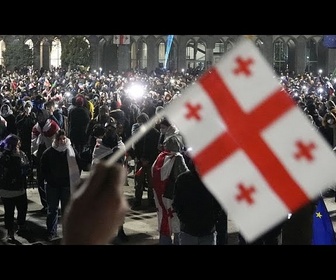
255,149
121,39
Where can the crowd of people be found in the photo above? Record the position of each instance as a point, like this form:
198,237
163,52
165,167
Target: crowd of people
59,123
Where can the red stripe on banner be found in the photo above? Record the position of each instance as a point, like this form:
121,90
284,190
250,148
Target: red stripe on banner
244,132
121,39
215,153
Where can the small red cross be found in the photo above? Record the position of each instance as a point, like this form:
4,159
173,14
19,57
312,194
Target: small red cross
304,150
193,111
243,66
170,212
245,193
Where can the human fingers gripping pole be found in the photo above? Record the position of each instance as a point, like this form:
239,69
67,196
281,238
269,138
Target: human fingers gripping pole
97,209
97,176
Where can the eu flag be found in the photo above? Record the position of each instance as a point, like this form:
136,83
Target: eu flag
329,41
323,231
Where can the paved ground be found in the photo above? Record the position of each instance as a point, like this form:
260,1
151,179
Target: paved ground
140,226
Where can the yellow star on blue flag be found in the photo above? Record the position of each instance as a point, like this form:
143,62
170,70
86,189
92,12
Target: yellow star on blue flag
323,230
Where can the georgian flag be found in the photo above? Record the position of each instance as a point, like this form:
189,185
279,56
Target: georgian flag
254,148
121,39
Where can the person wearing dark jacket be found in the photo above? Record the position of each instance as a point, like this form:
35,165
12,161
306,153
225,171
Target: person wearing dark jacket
145,151
60,166
78,120
14,167
25,121
196,208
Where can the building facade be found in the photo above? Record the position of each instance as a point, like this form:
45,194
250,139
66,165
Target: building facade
286,53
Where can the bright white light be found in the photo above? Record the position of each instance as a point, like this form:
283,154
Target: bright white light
135,91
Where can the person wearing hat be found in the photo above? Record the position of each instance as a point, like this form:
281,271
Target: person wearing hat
7,113
78,120
14,167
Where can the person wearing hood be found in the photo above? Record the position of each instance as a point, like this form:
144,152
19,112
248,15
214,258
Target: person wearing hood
107,144
14,167
43,134
7,113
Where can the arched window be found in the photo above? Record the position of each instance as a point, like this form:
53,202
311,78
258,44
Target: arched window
280,56
311,56
134,55
162,53
30,44
55,54
44,54
195,55
221,47
142,55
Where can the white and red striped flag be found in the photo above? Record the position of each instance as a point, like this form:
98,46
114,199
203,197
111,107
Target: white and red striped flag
121,39
255,149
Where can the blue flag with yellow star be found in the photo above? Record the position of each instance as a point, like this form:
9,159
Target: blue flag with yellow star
323,230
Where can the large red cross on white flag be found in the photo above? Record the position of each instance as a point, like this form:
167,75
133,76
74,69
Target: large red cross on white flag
254,148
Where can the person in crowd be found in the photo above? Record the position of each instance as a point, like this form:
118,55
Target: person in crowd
328,126
102,191
102,118
158,123
148,107
145,153
14,168
107,143
3,127
132,111
169,133
106,146
60,168
25,121
8,114
222,236
55,113
196,208
168,165
78,120
118,114
43,135
92,128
